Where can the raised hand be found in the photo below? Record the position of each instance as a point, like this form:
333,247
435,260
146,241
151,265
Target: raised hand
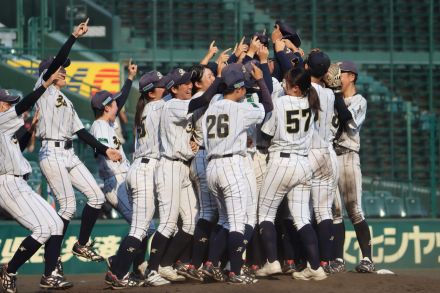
223,57
279,45
59,74
263,54
254,47
240,48
276,34
212,49
256,72
132,69
81,29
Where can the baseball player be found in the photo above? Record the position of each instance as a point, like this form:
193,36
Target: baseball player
322,157
225,126
20,201
175,191
290,128
106,108
59,164
140,183
351,109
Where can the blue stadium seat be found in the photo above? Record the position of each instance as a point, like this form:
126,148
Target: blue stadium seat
373,207
394,207
413,207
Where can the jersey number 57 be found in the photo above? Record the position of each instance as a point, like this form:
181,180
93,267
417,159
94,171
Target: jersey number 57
293,118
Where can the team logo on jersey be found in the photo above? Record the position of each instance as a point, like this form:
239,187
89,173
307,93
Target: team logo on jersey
189,127
14,139
103,139
117,142
60,102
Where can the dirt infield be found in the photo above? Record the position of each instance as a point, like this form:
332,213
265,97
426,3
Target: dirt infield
404,281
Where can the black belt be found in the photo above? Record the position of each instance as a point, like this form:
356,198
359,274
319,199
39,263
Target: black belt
181,160
145,160
220,157
68,144
261,148
287,155
25,176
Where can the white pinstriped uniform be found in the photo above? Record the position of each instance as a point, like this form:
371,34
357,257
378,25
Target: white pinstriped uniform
16,196
347,147
140,177
207,202
175,191
113,173
322,158
225,126
288,171
58,122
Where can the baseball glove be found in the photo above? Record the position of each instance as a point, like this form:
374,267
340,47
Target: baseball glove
332,78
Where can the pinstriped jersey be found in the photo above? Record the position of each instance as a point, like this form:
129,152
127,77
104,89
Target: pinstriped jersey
105,133
291,125
147,136
197,122
11,159
225,126
176,130
350,139
323,135
58,119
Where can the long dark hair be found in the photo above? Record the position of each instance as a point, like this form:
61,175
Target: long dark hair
197,75
142,101
302,78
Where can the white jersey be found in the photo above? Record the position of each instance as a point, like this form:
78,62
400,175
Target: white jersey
197,122
291,125
147,137
225,126
323,135
176,130
349,138
105,133
58,119
12,161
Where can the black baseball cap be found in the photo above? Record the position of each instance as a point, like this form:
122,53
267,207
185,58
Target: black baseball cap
289,33
264,39
233,76
44,64
177,77
318,63
6,96
151,80
102,99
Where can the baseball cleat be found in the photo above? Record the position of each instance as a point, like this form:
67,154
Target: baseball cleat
310,274
108,278
242,279
182,268
216,273
326,266
155,279
86,251
8,281
365,266
269,268
194,274
170,274
249,270
338,265
54,281
129,281
59,270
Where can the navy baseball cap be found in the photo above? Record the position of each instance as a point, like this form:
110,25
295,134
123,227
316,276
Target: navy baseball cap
102,99
348,66
289,33
177,77
6,96
233,76
151,80
44,64
318,63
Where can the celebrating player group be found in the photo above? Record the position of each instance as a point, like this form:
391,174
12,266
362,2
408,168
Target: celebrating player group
255,155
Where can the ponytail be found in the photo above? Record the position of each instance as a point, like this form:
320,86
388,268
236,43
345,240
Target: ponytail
300,77
139,109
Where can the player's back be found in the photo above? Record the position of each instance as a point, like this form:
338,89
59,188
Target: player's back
291,125
225,126
323,134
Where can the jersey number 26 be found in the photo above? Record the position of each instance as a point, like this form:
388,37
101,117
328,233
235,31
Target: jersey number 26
222,123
